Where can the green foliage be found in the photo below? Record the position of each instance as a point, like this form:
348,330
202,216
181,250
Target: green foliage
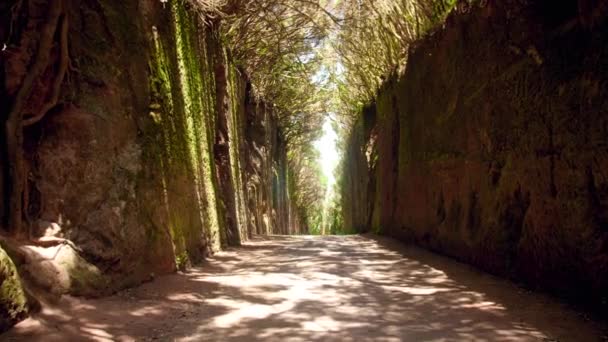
277,43
182,261
373,42
308,58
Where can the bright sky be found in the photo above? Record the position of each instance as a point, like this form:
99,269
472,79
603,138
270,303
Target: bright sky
329,151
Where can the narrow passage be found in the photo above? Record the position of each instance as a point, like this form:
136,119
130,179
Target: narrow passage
354,288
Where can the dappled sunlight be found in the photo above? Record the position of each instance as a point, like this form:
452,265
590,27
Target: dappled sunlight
325,323
244,310
418,291
146,311
325,288
487,305
98,332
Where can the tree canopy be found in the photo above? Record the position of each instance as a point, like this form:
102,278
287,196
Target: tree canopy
308,58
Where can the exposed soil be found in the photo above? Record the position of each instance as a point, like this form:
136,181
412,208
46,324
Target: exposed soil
352,288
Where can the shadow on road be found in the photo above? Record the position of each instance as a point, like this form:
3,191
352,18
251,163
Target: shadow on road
353,288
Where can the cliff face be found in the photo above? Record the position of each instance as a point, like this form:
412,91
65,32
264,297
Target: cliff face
491,147
271,210
155,156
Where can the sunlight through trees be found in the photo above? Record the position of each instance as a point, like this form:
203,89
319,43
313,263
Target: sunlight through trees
309,58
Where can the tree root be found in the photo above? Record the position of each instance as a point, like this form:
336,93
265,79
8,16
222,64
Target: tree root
64,61
14,246
15,10
26,197
71,70
14,122
48,242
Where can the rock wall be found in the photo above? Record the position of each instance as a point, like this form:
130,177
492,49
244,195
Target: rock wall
491,147
270,207
155,156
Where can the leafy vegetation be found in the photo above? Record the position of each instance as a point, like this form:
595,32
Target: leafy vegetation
278,43
373,43
309,58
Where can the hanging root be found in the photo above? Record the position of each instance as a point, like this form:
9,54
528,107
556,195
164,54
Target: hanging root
64,62
14,122
71,70
26,192
41,61
15,10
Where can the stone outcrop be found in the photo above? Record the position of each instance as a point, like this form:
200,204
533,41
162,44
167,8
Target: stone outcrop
491,146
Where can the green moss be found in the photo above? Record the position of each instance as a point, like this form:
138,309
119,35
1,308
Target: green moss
85,279
162,112
182,113
13,302
198,101
235,142
177,230
182,261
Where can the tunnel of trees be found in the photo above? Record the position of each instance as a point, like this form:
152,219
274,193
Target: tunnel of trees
141,137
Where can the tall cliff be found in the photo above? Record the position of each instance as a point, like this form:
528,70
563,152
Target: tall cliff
491,146
154,155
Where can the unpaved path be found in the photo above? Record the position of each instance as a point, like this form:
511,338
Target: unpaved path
316,288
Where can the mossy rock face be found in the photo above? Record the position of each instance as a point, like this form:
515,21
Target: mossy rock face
491,151
13,302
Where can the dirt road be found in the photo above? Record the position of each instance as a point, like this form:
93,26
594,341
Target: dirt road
316,288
